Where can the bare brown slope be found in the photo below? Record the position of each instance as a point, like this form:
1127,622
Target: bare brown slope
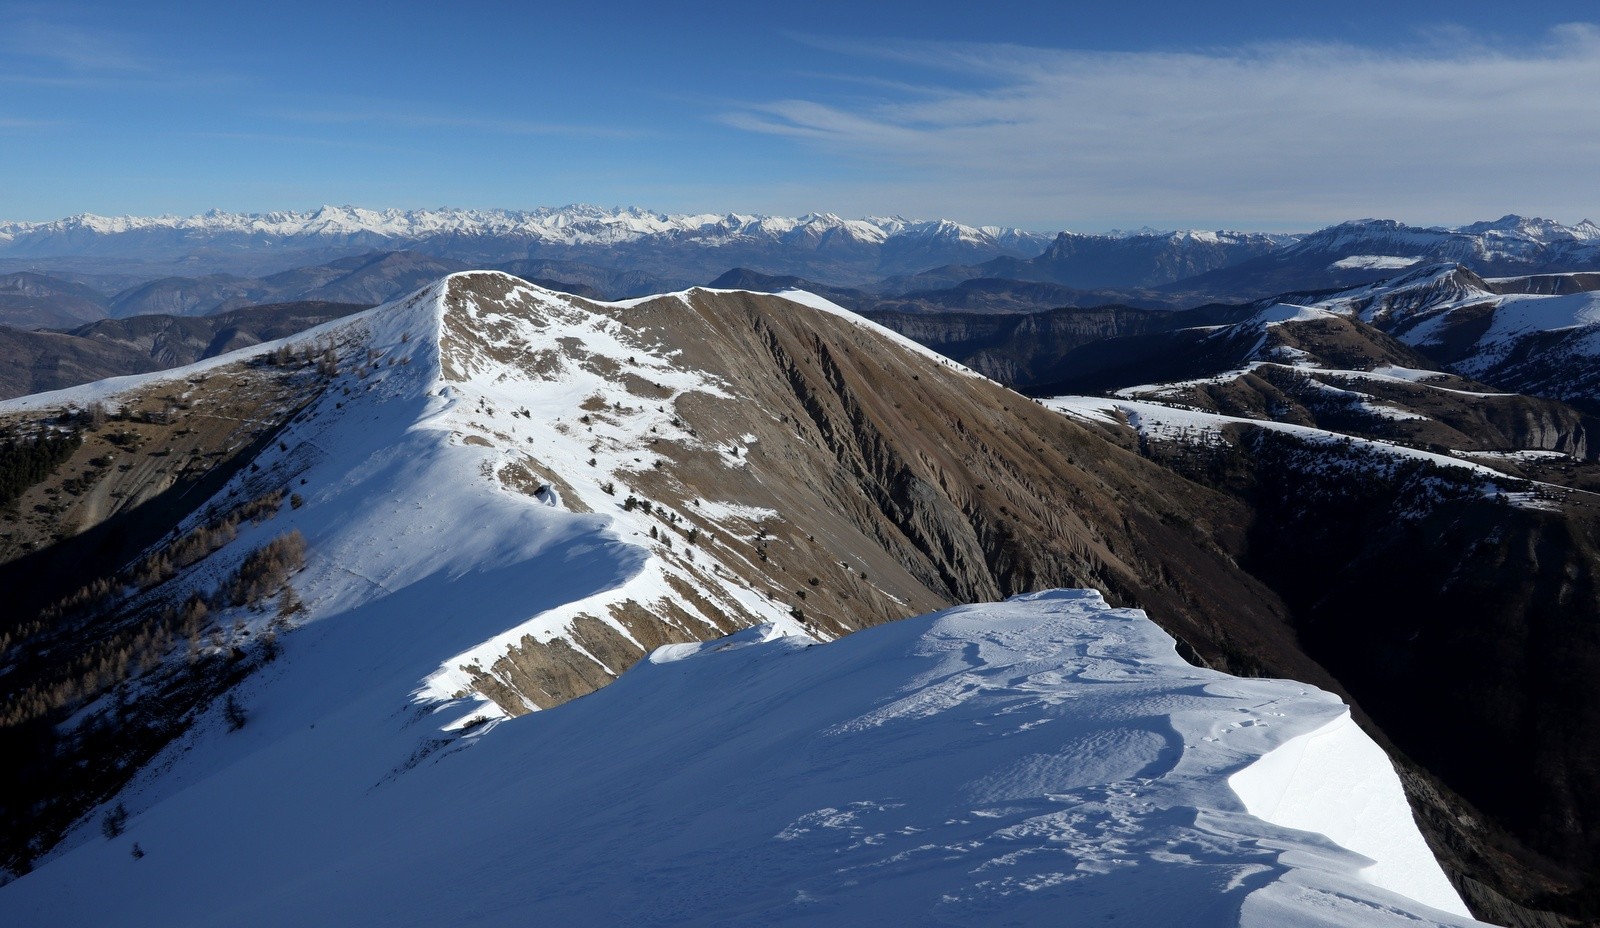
903,483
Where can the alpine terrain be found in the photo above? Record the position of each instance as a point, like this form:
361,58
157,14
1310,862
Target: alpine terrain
325,630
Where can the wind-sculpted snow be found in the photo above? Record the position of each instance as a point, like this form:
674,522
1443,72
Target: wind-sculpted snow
1040,761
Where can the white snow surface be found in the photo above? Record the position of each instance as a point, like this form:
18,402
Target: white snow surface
1026,762
1373,262
823,304
1280,313
1172,423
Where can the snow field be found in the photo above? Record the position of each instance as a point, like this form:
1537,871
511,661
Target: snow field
994,763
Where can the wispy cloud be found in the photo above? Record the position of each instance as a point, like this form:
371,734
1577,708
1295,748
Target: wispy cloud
1450,127
393,117
292,140
27,125
62,45
39,49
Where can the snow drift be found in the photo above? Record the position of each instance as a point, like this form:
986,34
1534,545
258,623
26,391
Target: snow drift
1003,763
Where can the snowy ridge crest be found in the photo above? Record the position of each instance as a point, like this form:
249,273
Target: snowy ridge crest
515,385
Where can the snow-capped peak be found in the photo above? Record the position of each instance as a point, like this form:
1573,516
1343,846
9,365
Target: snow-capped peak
573,224
1510,239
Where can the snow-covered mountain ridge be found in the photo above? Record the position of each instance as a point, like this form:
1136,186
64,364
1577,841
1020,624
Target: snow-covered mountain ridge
595,480
508,496
1514,237
1538,334
1367,250
567,225
1509,236
992,763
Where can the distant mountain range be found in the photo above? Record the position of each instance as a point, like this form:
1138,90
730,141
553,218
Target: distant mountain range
1353,253
567,225
700,246
632,252
1141,259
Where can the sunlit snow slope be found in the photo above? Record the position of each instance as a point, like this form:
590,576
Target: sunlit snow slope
1043,760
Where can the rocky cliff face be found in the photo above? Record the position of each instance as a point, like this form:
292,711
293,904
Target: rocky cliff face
1023,350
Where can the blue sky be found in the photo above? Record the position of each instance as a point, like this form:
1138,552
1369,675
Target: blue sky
1041,115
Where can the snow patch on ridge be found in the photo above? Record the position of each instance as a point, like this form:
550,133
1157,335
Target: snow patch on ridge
1373,263
1170,423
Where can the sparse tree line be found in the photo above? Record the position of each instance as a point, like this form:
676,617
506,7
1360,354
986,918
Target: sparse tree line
51,785
96,415
143,639
47,791
112,652
264,572
26,461
322,355
165,563
135,648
